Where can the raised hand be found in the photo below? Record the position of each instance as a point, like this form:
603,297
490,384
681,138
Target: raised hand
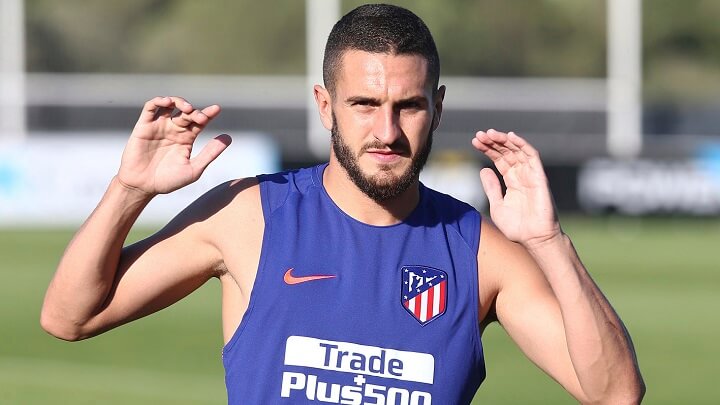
157,159
526,214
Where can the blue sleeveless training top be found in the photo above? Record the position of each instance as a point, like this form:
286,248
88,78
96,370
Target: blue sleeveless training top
349,313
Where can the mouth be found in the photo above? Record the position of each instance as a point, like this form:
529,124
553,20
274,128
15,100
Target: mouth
386,155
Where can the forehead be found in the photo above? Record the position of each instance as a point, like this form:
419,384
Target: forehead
392,74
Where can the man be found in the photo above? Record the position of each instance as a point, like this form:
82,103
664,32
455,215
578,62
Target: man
351,282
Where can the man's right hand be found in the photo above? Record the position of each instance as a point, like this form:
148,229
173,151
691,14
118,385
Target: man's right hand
99,284
157,159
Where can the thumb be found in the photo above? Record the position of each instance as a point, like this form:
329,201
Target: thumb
210,152
491,184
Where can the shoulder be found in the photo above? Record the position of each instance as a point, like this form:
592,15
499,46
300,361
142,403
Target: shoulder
505,269
244,203
449,203
222,200
449,209
495,248
453,213
231,205
243,200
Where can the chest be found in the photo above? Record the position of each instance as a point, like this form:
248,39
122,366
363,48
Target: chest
370,280
344,310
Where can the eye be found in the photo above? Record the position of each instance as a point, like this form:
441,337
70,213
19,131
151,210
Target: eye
363,105
412,105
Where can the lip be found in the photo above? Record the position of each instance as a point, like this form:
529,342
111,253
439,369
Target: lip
384,156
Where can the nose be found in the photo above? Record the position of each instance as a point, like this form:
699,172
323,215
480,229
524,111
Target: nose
387,126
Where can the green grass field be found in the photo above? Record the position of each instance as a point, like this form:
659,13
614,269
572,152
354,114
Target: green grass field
662,275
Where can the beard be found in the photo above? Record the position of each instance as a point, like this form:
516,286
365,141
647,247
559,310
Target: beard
385,185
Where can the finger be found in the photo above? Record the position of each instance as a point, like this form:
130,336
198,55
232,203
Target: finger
485,144
514,142
494,140
210,152
182,104
203,118
491,185
523,145
181,119
527,153
151,108
503,145
211,111
531,156
195,119
198,119
497,136
178,105
514,145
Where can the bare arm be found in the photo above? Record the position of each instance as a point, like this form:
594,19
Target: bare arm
546,299
98,284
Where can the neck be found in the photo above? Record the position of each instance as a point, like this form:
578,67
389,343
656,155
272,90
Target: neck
346,195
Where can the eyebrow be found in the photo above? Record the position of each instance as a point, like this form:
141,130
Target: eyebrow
400,103
419,100
362,100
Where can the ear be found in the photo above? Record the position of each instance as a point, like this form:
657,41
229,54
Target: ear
324,103
438,105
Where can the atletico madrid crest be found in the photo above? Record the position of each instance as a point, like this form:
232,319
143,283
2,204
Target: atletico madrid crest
424,292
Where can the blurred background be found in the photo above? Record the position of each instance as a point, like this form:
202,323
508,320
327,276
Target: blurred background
621,97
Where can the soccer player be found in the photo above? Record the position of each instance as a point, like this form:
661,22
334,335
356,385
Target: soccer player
351,282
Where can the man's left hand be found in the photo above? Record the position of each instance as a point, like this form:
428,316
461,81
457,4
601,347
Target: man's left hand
526,213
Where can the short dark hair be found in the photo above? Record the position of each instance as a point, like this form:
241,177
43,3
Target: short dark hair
379,28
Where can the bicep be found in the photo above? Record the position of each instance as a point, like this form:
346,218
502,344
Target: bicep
155,273
526,307
167,266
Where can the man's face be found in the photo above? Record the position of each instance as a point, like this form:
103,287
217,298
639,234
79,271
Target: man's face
383,113
384,185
